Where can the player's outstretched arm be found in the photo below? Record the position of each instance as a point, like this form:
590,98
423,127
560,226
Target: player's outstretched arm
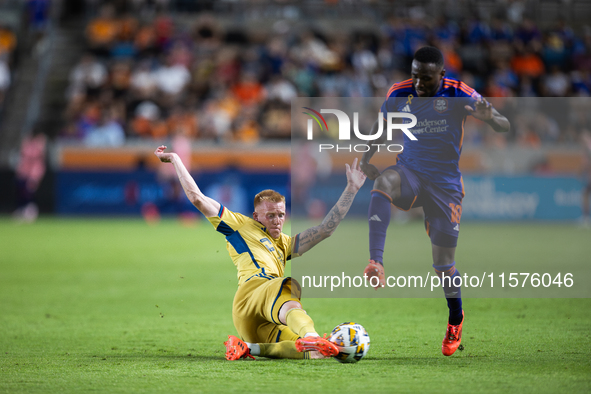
484,111
309,238
208,206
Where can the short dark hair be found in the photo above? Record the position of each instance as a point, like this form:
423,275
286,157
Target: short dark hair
429,55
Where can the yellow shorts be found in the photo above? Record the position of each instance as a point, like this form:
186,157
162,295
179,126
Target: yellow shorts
256,309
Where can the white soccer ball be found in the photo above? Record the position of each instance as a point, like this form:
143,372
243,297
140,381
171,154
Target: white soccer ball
352,340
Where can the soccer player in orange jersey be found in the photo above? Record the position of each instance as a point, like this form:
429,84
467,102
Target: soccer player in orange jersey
427,172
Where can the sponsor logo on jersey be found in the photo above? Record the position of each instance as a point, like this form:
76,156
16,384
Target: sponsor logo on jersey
427,126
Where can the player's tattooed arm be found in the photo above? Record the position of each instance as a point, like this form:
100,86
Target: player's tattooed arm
309,238
208,206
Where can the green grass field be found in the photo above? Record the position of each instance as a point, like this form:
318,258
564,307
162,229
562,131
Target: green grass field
112,305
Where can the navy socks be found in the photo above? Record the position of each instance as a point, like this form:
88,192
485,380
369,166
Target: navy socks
453,293
379,219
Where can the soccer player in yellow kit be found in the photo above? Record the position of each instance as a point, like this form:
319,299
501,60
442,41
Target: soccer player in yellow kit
267,312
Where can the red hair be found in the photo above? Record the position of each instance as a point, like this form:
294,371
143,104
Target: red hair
268,195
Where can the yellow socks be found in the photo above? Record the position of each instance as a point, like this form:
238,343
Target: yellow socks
285,349
299,322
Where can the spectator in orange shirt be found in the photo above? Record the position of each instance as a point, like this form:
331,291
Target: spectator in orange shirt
102,32
527,62
7,41
453,62
248,90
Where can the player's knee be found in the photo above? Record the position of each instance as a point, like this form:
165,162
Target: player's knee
443,255
286,308
389,183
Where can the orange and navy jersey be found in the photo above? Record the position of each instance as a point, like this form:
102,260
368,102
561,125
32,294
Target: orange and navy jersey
252,249
439,129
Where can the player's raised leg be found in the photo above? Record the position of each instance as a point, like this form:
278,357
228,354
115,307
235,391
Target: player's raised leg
386,189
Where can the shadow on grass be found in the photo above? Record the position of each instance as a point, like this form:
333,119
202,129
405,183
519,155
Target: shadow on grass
156,357
393,359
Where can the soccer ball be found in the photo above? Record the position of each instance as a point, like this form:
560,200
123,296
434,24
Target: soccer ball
352,341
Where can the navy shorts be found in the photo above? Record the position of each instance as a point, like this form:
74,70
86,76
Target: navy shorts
442,207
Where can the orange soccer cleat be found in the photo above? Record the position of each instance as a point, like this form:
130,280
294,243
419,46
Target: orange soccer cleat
453,338
375,269
236,349
319,344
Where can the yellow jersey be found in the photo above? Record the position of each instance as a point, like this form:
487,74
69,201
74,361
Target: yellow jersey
252,249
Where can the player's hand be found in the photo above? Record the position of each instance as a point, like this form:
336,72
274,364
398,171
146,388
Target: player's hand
164,157
374,269
370,170
482,110
355,177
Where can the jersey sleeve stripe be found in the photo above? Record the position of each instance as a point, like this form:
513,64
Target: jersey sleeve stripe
467,90
403,83
400,85
221,212
393,89
406,81
458,85
462,84
224,228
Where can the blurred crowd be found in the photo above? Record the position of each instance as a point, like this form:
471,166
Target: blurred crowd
8,41
149,76
35,15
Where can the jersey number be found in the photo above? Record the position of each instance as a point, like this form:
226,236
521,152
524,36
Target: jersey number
456,212
269,247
